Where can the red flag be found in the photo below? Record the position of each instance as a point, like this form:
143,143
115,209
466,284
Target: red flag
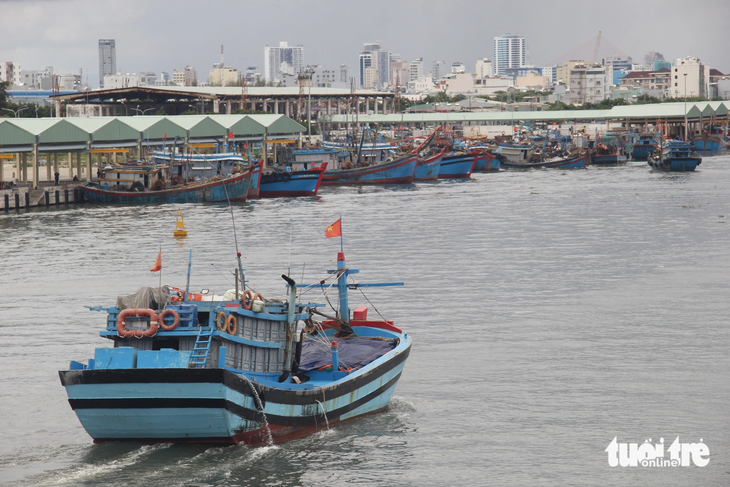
230,136
333,230
158,262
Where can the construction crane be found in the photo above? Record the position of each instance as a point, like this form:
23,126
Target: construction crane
598,44
244,92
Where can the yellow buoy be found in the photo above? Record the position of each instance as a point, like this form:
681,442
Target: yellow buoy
180,226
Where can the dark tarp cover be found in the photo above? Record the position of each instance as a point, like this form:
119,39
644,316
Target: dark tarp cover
146,297
353,352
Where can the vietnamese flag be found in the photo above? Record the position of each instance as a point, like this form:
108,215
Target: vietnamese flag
230,136
333,230
158,262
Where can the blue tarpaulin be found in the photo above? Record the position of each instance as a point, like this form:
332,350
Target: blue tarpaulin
353,352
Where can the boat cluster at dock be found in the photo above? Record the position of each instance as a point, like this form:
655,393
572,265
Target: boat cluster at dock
175,177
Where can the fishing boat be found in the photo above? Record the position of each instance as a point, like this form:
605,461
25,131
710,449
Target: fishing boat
143,183
457,164
609,150
302,182
708,144
231,370
427,168
515,153
397,169
575,161
675,155
643,147
253,190
486,161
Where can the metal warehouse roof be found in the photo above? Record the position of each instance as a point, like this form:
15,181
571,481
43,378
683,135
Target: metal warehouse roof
622,112
19,134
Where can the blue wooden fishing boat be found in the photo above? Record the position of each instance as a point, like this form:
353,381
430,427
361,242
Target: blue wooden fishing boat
708,145
643,147
675,155
486,161
457,165
224,370
146,183
577,161
253,190
515,153
427,168
394,170
287,183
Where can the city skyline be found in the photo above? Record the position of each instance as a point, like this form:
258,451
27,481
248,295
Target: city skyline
148,36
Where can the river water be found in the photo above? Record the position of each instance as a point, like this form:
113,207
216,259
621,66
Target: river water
551,311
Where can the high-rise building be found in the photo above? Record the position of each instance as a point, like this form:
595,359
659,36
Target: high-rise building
107,59
484,68
509,52
438,70
416,69
373,56
291,57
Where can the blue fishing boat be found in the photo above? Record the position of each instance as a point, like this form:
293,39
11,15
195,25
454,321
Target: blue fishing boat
577,161
457,165
253,190
427,168
675,155
708,145
287,183
486,161
231,370
515,153
394,170
145,183
643,147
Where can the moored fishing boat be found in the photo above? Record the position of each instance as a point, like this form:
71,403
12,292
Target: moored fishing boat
148,183
457,164
515,153
427,168
643,147
577,160
253,190
234,370
398,169
675,155
303,182
486,161
708,145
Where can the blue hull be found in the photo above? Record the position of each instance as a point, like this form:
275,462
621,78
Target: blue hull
232,188
487,162
216,405
297,183
457,166
641,152
428,170
677,164
395,172
708,145
609,159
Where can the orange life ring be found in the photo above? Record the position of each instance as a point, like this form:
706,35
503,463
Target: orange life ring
247,297
231,325
174,324
122,321
220,321
259,297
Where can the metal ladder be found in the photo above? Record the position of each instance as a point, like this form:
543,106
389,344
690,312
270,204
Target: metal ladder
201,349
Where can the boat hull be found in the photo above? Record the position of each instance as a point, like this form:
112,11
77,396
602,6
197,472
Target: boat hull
708,145
486,162
182,405
428,169
457,166
395,172
253,190
641,152
298,184
232,188
609,159
676,164
578,162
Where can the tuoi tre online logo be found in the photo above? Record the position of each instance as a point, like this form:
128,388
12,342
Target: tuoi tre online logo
650,454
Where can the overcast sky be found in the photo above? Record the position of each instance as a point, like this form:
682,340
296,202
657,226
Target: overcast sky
163,35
